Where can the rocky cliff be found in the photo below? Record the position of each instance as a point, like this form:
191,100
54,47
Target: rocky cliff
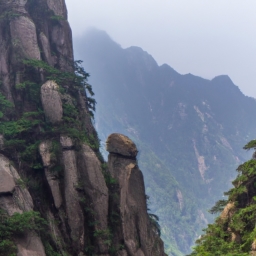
57,195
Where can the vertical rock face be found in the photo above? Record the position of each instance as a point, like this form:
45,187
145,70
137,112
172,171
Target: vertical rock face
50,161
51,101
138,235
16,199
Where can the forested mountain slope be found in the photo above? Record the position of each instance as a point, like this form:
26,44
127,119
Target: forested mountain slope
190,131
233,233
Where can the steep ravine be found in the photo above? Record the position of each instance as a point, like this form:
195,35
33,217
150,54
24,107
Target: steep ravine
57,195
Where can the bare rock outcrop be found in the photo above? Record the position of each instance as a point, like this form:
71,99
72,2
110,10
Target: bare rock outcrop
46,49
15,198
121,144
53,182
228,211
74,212
24,38
139,238
51,101
58,7
95,190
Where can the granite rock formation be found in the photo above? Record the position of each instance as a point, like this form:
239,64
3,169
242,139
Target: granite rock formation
49,156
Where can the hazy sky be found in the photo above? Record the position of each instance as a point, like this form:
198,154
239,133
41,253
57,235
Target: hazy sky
205,38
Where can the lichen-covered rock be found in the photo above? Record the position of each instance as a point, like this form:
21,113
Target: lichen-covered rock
56,233
45,152
17,5
73,209
121,144
58,7
95,189
66,142
122,253
46,49
24,38
138,236
51,101
62,38
30,245
53,182
18,202
7,183
4,66
15,189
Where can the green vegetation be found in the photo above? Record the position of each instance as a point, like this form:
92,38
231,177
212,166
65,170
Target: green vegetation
24,126
5,105
9,15
24,131
234,231
16,225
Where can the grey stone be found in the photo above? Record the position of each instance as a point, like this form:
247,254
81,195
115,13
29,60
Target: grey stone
61,36
66,142
51,101
46,48
95,189
7,184
17,5
30,245
24,38
120,144
139,238
58,7
7,181
74,212
45,152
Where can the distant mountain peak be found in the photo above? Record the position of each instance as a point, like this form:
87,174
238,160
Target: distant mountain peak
223,79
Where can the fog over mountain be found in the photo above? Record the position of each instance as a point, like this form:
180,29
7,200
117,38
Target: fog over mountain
205,38
190,130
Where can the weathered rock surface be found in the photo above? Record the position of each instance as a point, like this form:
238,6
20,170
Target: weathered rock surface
95,189
19,201
24,38
7,184
30,245
139,238
228,211
75,201
46,49
53,182
51,101
74,212
121,144
58,7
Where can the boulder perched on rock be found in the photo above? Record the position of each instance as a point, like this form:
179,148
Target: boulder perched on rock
120,144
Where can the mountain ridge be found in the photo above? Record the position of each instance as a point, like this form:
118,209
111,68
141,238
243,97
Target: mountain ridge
193,128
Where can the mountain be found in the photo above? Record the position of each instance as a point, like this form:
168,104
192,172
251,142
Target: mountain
57,194
190,131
